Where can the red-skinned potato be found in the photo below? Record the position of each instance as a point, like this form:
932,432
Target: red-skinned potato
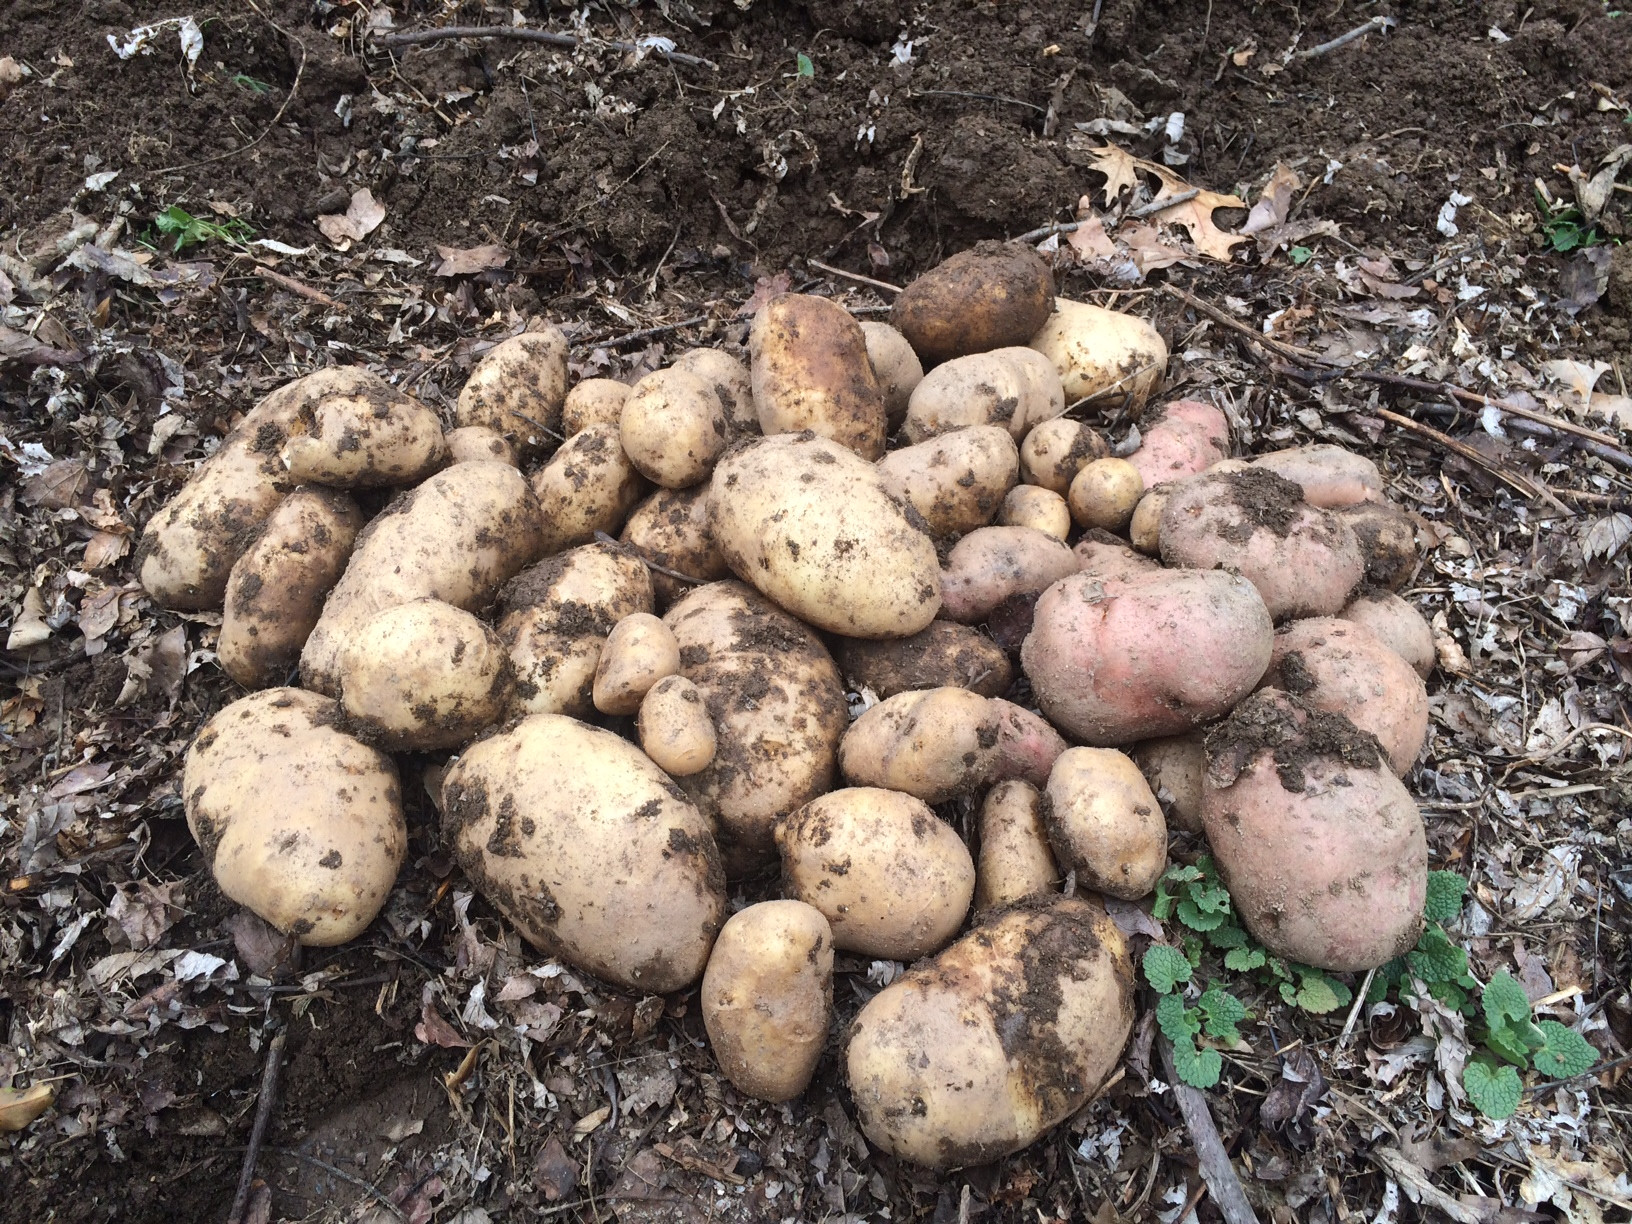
1107,556
1104,823
1037,508
517,389
730,382
1328,475
808,361
670,529
994,295
1397,625
934,745
1015,859
673,428
955,481
896,367
593,401
1027,746
588,486
1054,451
989,565
1011,387
1388,541
1101,354
1182,438
944,653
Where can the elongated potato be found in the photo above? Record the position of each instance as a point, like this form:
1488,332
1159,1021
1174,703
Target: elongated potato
896,367
589,485
590,850
593,401
1016,861
374,437
1397,625
955,481
994,563
674,727
638,653
1102,354
1145,527
673,428
1174,765
1011,387
276,591
1181,438
670,529
944,653
1328,475
994,295
1104,823
730,382
810,371
1037,508
934,745
478,442
1056,450
517,389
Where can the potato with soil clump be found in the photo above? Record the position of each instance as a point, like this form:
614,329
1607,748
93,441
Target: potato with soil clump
1182,438
673,428
934,745
1054,451
588,486
1397,625
593,401
373,437
674,727
993,564
517,389
994,295
1388,541
1328,475
1011,387
955,481
810,371
670,529
896,367
728,378
944,653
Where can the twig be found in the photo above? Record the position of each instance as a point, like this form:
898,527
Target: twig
548,37
644,334
1522,485
1216,1168
1398,1168
1583,729
1354,1012
257,1131
1162,205
1343,40
1291,352
372,1191
855,276
1048,231
1592,1072
295,286
630,550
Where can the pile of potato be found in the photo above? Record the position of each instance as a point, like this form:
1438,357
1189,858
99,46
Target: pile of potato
630,652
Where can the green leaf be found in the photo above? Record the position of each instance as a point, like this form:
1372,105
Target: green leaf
1162,908
1504,999
1384,980
1179,1024
1243,959
1493,1089
1436,958
1198,919
1565,1054
1289,993
806,68
1445,892
1227,936
1198,1068
1211,897
1223,1011
1320,994
1166,967
1193,947
1507,1040
1301,255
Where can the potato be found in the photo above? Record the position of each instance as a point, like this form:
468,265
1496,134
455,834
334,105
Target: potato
1102,354
1027,746
590,850
944,653
1105,494
276,590
1174,765
589,485
1341,667
972,1056
774,698
456,538
891,877
638,653
554,668
1182,438
1037,508
934,745
471,443
1011,387
731,384
1397,625
1388,541
517,389
593,401
895,366
994,295
810,371
1054,451
1145,527
990,565
955,481
674,727
673,428
1106,556
373,437
1321,846
812,526
1113,661
768,997
1328,475
1015,859
298,821
670,529
1303,560
1104,823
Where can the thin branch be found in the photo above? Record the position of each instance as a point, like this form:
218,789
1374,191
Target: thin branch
983,97
1521,485
1343,40
547,37
334,1170
630,550
295,286
1216,1168
646,333
855,276
1291,352
1162,205
257,1132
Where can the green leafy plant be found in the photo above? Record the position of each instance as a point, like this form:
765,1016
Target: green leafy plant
1566,229
244,81
188,230
1300,255
805,67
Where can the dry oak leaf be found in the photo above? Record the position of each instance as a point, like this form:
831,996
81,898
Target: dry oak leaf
1122,170
361,218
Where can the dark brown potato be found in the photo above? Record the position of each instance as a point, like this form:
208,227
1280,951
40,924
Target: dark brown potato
991,296
946,654
1388,541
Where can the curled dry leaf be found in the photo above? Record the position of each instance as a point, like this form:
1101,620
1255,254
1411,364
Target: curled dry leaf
361,218
467,261
20,1106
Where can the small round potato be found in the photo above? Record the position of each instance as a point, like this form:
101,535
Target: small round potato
372,438
994,295
1012,387
593,401
1105,494
955,481
1104,823
892,878
810,372
1056,450
1397,624
517,388
1038,508
896,367
934,745
1101,354
589,485
673,428
1015,859
476,443
638,653
674,727
988,566
945,653
768,997
731,383
1145,527
1174,767
670,529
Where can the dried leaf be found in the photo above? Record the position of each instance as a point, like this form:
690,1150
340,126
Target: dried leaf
1584,278
467,261
1196,216
432,1029
1607,536
1090,240
28,627
61,485
766,288
1121,171
361,218
24,348
144,912
103,549
555,1172
1617,409
20,1106
1578,377
263,948
1275,201
587,1124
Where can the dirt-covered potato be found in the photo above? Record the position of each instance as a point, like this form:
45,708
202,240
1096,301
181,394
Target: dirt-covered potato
638,653
994,295
809,366
1011,387
1145,527
674,727
891,877
588,485
1007,1033
372,437
1104,823
990,565
276,590
1328,475
768,997
1102,354
896,367
1027,746
1054,451
1341,667
1107,556
517,389
775,700
1105,494
593,401
1321,846
1015,859
591,851
298,821
456,538
673,428
812,526
1397,625
935,745
1174,765
944,653
475,443
423,675
955,481
1304,561
1037,508
670,529
1181,438
731,384
1114,661
1388,541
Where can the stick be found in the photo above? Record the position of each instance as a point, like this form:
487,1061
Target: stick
630,551
374,1192
1354,1012
257,1131
644,334
521,34
960,93
855,276
1485,401
1343,40
1144,210
1216,1168
1519,484
295,286
1291,352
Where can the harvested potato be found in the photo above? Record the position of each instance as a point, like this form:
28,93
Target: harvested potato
768,997
373,437
1321,846
673,428
474,443
1113,661
1174,765
298,821
638,653
895,366
955,481
593,401
1397,625
990,565
423,675
1328,475
670,529
456,538
276,590
994,295
674,727
1388,541
1105,494
1303,560
1011,387
731,384
1037,508
554,668
1015,859
1054,451
1182,438
944,653
517,390
1341,667
588,486
591,851
1027,746
891,877
1104,823
935,745
1106,556
1145,527
812,526
810,371
1102,354
958,1062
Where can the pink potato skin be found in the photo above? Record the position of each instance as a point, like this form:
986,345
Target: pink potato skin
1329,475
992,563
1183,438
1105,556
1400,626
1119,660
1026,745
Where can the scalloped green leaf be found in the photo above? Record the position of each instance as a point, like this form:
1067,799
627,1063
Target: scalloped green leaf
1565,1054
1244,959
1210,898
1198,1068
1227,936
1494,1089
1506,1041
1319,994
1166,967
1504,999
1436,958
1445,892
1223,1011
1179,1024
1198,919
